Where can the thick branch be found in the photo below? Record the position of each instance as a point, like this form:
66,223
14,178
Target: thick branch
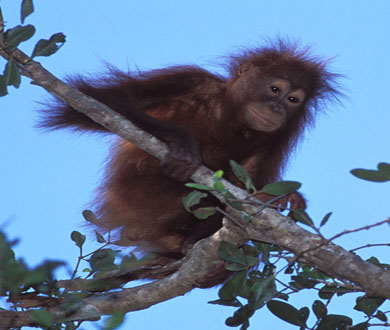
272,227
269,226
201,260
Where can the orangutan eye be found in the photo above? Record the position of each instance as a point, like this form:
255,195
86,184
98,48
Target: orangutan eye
293,100
275,90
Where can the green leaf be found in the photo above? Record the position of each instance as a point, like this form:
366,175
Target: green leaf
327,292
27,9
325,219
334,322
90,216
381,316
42,317
286,312
204,212
12,279
78,238
252,250
49,47
12,74
100,238
251,254
303,280
7,255
262,291
313,273
199,186
41,274
234,267
128,262
281,188
368,305
305,312
374,261
101,285
70,325
35,277
382,175
103,260
263,248
13,37
218,186
232,287
218,175
229,252
3,86
241,316
193,198
302,216
360,326
114,321
242,175
73,299
319,309
232,201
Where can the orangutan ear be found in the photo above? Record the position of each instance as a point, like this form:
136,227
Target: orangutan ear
244,68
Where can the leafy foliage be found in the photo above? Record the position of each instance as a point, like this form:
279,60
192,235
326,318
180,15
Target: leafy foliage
16,277
14,37
258,287
250,284
17,281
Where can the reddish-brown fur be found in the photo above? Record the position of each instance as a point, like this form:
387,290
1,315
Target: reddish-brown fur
141,201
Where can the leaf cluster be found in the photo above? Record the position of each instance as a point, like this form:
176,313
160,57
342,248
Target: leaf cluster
278,189
17,278
248,283
15,36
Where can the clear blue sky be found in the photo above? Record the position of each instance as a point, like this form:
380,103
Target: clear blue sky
48,179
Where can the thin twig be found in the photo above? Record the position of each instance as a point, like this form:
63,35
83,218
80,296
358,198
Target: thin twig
345,232
369,246
232,219
327,241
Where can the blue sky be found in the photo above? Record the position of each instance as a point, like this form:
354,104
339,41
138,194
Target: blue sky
48,179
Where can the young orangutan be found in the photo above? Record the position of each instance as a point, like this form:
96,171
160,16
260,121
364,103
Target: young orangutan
254,116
